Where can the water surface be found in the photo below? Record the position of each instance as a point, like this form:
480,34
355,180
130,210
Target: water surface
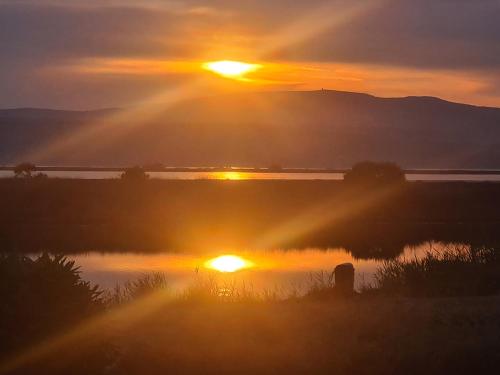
274,270
233,175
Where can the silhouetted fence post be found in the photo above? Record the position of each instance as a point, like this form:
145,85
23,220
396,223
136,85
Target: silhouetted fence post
344,278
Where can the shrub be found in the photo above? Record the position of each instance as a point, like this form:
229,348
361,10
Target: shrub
24,170
134,174
371,173
43,297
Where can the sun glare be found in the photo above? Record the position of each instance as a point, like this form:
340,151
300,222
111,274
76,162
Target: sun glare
228,263
230,69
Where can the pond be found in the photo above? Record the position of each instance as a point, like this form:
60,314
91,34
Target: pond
279,271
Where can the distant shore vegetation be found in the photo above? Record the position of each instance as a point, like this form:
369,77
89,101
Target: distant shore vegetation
134,174
370,174
366,172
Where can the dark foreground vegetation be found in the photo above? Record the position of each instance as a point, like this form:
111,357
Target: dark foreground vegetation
55,323
149,215
41,297
454,271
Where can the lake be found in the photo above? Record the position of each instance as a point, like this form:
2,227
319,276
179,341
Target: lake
183,218
280,271
238,175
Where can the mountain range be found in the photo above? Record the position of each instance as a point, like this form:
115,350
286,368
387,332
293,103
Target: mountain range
306,129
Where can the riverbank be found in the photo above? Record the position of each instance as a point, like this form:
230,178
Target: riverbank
113,215
275,169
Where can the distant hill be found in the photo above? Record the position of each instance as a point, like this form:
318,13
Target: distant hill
292,129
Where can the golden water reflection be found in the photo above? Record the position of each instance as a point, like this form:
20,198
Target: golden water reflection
262,270
228,263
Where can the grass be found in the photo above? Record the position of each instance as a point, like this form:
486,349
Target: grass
225,328
134,289
454,271
389,331
361,336
211,289
204,289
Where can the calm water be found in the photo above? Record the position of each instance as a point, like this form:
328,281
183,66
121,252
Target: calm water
280,271
230,175
275,270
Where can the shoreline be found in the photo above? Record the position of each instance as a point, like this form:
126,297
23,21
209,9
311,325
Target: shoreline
408,171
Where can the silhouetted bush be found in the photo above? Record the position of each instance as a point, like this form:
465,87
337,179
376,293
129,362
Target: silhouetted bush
24,170
43,297
134,174
457,271
372,173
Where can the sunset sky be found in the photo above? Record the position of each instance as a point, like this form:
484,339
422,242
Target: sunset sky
77,54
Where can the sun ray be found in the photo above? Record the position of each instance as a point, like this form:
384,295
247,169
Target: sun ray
90,331
107,130
317,217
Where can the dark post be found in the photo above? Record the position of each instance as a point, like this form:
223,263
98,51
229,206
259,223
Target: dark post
344,278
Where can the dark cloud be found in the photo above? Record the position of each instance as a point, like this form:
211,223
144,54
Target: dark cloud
424,34
53,32
442,33
42,34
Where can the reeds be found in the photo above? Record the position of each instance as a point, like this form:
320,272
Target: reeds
454,271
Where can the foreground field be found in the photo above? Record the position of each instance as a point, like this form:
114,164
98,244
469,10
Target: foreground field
53,322
362,336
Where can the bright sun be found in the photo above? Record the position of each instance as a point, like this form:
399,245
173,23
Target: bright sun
230,69
228,263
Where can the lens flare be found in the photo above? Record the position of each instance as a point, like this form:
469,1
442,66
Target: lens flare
228,263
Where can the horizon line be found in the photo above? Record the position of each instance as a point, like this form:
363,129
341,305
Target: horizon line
326,90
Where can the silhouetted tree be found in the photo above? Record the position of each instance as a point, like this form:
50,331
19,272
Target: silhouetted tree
44,296
372,173
24,170
134,174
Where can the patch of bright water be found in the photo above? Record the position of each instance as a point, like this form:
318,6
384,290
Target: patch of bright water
275,270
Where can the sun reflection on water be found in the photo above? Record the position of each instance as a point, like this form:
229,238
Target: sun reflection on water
262,269
227,175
